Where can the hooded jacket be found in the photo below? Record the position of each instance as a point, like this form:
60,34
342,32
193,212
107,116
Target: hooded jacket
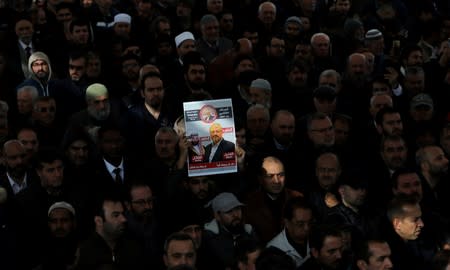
41,86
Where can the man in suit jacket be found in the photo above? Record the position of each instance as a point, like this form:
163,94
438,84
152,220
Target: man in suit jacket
219,149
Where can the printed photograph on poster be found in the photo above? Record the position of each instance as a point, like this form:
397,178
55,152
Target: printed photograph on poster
210,129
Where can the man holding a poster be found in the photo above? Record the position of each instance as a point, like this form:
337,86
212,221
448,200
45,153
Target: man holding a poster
220,149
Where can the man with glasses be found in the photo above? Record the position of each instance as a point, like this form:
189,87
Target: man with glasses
264,206
71,90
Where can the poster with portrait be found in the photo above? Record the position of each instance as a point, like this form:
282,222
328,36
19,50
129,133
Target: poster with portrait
210,129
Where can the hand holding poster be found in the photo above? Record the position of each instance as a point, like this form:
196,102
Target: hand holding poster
210,129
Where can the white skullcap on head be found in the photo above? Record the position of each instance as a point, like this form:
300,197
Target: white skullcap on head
122,18
96,90
183,37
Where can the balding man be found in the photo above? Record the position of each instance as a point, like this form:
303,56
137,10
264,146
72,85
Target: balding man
219,149
265,205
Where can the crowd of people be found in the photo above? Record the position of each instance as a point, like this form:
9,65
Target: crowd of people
341,114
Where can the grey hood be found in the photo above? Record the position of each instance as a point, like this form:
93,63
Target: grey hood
39,56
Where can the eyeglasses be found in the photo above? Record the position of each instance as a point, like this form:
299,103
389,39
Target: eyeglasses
47,109
142,202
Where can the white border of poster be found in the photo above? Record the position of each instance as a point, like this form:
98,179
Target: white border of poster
199,117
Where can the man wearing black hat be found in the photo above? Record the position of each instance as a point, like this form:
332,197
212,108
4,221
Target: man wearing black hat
352,210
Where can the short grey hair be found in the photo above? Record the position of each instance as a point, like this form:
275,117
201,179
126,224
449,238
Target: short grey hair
257,107
267,3
29,89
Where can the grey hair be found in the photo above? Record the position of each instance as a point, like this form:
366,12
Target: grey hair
208,18
265,3
30,89
257,107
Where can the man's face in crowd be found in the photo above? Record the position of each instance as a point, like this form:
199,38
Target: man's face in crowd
40,69
15,158
45,112
357,68
185,47
283,128
353,196
297,78
410,225
30,142
327,171
165,145
232,220
342,6
78,152
321,46
292,30
80,34
379,102
274,177
196,76
214,6
141,202
392,124
244,65
94,67
415,58
77,68
276,48
267,15
210,31
436,163
226,22
394,154
112,144
114,222
330,255
51,174
24,102
153,92
195,232
61,222
64,15
122,29
380,257
24,31
180,252
257,123
99,107
414,84
130,69
409,184
321,132
299,226
198,186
